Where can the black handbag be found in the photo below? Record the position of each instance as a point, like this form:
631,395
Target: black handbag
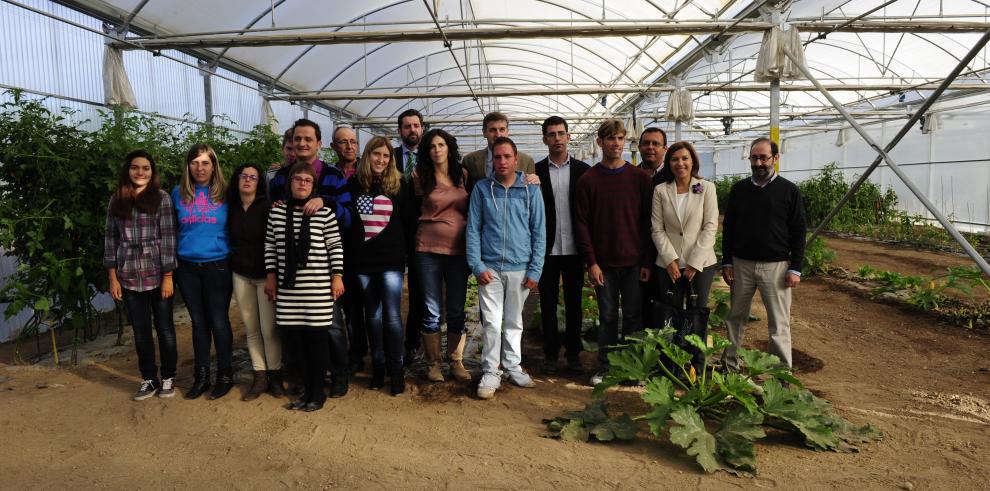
686,318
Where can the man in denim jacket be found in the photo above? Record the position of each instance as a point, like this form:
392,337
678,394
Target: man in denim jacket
506,242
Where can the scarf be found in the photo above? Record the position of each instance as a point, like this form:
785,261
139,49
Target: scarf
296,252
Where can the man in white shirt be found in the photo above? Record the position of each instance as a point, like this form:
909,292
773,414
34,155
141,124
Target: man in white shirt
559,174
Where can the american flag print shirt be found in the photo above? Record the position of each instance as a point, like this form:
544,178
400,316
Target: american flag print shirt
375,212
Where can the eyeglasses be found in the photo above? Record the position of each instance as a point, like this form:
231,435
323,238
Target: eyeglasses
303,180
247,177
760,158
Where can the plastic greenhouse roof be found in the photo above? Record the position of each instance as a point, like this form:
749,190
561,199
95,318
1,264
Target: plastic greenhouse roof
513,64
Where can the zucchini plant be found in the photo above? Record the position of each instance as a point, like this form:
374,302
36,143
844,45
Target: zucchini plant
715,416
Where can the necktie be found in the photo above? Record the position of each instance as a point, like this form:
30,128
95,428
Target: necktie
410,164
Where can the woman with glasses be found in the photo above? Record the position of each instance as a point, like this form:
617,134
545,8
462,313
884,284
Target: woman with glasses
247,218
139,254
204,274
304,265
440,198
377,240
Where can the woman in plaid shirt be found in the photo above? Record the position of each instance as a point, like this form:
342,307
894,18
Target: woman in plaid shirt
139,254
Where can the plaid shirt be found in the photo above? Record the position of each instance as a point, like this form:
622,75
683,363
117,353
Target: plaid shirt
142,247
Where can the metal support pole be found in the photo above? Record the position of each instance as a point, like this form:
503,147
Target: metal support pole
949,227
677,131
207,72
775,116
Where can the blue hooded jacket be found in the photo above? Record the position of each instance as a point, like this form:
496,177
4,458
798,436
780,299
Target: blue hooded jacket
506,228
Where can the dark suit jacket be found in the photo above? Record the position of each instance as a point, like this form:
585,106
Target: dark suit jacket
399,162
578,169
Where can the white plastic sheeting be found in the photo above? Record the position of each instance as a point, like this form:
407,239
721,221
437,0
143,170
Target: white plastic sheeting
117,89
772,63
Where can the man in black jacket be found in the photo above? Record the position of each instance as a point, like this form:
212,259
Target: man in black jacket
763,239
410,124
559,174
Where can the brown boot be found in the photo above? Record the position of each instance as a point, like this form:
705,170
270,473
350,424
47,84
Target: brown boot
258,386
431,346
455,353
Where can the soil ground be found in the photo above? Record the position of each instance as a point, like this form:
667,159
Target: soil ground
925,385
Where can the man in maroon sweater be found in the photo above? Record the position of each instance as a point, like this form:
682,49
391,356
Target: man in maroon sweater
613,201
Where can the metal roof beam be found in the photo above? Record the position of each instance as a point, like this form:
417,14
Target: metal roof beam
892,88
543,32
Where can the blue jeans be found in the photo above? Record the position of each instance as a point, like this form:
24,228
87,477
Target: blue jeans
206,288
436,270
382,295
140,307
624,283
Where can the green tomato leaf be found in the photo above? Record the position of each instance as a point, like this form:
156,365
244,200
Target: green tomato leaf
690,433
42,305
735,437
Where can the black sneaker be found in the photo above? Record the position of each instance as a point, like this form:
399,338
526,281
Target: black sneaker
168,388
574,363
549,367
148,389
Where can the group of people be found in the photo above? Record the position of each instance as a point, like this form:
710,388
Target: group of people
317,254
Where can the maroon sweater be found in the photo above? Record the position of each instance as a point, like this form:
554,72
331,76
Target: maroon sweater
613,216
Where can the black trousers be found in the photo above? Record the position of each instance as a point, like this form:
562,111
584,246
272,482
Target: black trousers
353,307
571,269
309,348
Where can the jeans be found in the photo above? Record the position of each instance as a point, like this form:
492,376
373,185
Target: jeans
206,288
502,326
572,269
338,341
258,314
309,349
621,284
382,294
437,270
140,307
414,317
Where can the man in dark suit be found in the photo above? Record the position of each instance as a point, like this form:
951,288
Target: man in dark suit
652,148
410,124
559,174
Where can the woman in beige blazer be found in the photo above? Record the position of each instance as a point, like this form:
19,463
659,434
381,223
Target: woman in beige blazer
684,221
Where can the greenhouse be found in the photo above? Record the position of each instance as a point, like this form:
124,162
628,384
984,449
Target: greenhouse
249,211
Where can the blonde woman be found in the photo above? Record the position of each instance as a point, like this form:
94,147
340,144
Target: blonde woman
378,242
203,275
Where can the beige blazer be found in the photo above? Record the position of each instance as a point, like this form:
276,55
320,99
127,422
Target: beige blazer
694,240
475,164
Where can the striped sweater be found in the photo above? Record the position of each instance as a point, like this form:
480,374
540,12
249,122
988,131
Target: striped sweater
308,303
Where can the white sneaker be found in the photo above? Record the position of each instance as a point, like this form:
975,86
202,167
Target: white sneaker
522,379
168,388
490,382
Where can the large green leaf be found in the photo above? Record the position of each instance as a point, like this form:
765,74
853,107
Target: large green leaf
621,427
595,412
759,363
739,387
735,437
798,410
637,361
574,431
690,433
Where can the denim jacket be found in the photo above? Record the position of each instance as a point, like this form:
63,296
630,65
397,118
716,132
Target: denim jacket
506,228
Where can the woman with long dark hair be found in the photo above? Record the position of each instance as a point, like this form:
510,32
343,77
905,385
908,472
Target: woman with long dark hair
247,220
139,254
304,265
204,273
441,201
376,241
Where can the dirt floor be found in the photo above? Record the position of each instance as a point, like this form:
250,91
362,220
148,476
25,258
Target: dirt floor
925,385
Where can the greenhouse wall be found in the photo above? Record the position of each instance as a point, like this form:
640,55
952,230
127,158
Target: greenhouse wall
950,164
